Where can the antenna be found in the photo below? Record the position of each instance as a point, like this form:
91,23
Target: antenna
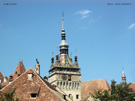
62,15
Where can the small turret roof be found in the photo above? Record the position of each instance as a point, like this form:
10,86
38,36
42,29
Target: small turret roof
123,73
19,69
11,74
1,76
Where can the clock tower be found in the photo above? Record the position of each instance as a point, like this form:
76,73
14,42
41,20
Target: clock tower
64,73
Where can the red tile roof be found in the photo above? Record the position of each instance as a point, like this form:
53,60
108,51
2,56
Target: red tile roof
45,91
19,70
89,87
30,71
132,86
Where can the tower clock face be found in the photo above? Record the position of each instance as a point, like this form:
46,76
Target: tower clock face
64,77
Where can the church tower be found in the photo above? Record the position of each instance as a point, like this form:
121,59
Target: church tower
123,76
64,73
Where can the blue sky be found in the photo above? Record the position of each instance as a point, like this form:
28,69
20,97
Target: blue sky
104,36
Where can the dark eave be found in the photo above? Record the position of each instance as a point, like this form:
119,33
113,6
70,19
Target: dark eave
64,68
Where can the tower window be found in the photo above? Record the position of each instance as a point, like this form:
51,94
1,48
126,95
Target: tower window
33,95
69,95
77,96
69,78
64,97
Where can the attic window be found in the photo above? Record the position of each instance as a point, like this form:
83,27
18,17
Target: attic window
30,76
16,72
33,95
0,80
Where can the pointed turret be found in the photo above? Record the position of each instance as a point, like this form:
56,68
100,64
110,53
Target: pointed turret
19,70
52,60
123,76
63,46
76,61
11,76
57,56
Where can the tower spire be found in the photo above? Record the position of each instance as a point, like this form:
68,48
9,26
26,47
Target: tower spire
63,46
123,76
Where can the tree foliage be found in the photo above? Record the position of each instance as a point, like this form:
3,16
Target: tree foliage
119,92
8,96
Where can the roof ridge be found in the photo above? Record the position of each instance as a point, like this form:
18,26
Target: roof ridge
94,80
15,79
45,82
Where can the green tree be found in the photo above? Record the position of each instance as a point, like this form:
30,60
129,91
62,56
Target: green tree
8,96
123,93
119,92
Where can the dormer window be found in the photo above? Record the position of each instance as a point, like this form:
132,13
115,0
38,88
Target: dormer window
33,95
30,75
0,80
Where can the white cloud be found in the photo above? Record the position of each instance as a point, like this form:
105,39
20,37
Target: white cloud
85,16
131,26
83,13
